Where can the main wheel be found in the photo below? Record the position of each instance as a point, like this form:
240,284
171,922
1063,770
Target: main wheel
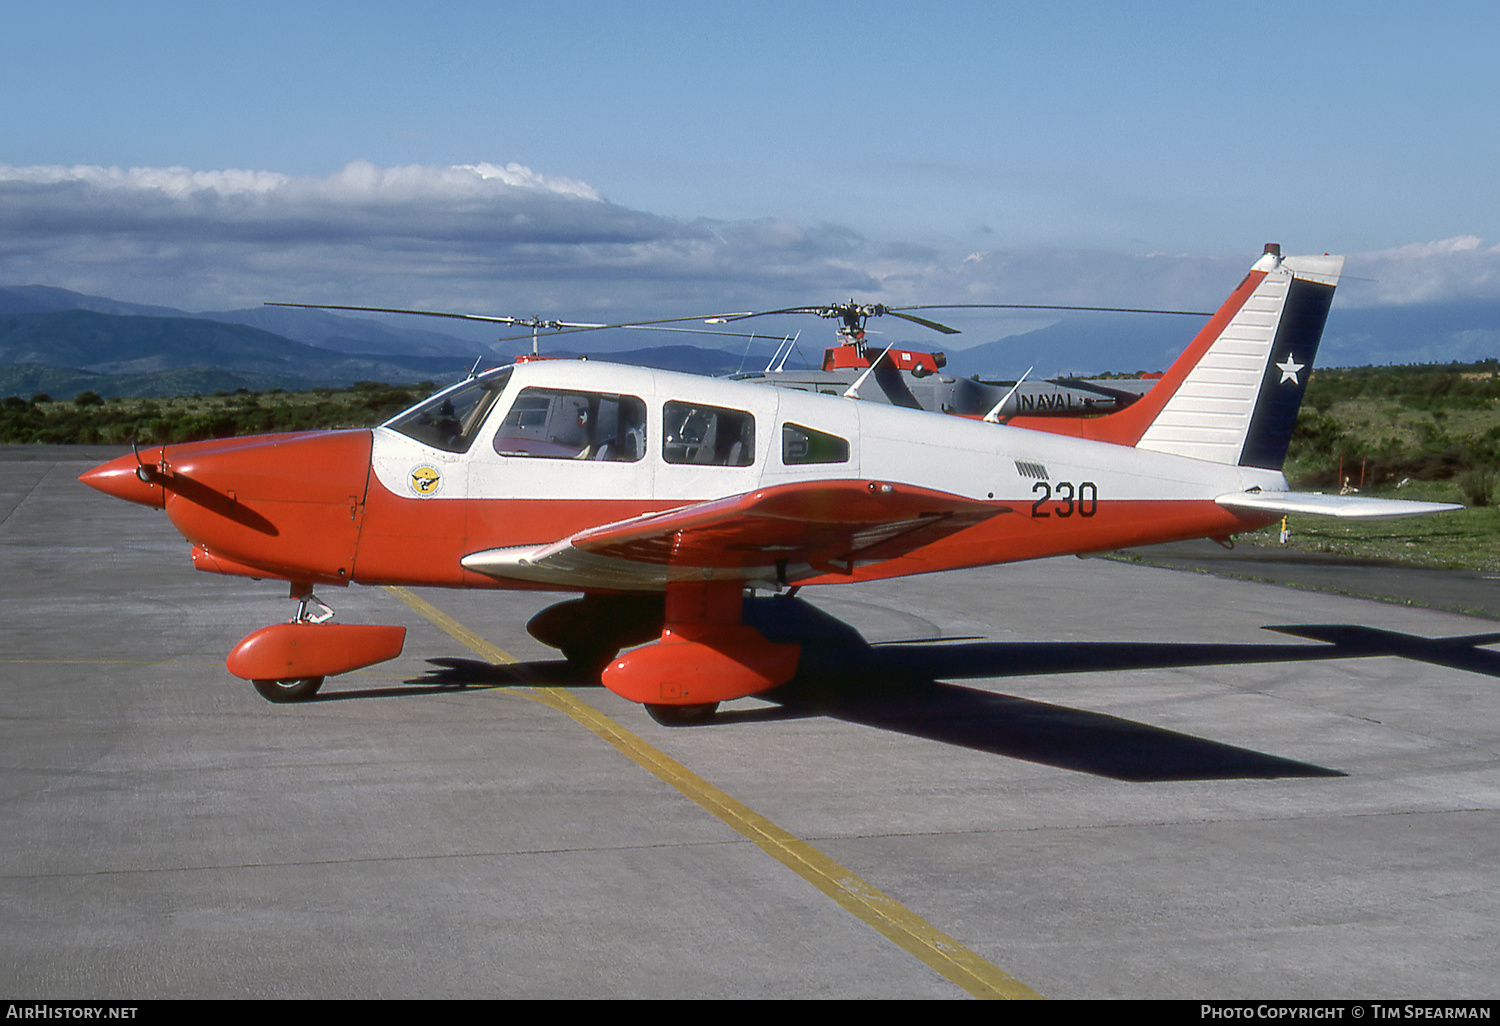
682,715
292,689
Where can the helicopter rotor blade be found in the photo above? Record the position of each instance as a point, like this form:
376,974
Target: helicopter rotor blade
853,314
1048,306
574,329
821,311
559,327
527,321
924,322
845,311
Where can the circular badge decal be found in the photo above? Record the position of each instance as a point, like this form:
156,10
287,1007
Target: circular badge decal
425,481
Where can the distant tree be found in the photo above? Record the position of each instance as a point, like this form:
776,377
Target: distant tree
88,399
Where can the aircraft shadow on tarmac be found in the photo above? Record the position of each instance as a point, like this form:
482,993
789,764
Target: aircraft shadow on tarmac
904,687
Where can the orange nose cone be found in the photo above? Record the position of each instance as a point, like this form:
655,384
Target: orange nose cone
124,478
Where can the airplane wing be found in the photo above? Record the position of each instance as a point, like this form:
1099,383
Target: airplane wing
782,533
1350,507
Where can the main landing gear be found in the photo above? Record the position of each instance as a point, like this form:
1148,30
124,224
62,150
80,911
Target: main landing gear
682,715
287,662
289,689
704,653
590,631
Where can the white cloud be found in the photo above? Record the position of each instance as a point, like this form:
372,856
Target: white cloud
359,181
1427,250
482,234
1446,270
173,182
503,238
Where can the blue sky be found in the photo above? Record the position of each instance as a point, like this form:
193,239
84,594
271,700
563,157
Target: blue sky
583,159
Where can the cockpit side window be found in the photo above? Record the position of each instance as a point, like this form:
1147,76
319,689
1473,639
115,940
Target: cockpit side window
707,435
805,445
565,425
451,419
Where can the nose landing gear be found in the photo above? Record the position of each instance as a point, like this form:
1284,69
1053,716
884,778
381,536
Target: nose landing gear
287,662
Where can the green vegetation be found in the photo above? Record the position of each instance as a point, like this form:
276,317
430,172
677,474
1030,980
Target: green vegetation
89,419
1427,432
1372,427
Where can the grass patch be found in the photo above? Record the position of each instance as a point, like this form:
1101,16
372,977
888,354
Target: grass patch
89,420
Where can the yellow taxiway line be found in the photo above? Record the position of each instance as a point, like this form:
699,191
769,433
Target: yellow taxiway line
895,922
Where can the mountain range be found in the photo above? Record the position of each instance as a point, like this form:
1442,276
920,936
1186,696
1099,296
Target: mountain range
62,342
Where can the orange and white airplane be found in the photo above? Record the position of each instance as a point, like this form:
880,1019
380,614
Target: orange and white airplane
661,497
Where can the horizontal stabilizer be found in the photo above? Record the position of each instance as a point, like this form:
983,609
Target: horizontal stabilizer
1349,507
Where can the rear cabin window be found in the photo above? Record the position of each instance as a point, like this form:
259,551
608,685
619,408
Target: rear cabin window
804,445
451,419
558,425
707,435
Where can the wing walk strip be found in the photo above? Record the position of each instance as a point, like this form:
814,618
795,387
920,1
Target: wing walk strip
912,933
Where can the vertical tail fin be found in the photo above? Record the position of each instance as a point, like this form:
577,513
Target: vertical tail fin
1235,400
1232,396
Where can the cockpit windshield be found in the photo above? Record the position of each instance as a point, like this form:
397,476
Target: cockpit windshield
451,419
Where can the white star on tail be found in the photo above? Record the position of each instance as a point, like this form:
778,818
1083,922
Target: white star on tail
1289,370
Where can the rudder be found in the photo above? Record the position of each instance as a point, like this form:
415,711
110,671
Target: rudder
1286,373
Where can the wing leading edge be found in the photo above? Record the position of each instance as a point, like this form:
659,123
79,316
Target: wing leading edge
783,533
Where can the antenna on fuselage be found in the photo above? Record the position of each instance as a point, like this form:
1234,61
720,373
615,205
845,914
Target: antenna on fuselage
993,417
853,391
772,361
746,354
791,345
